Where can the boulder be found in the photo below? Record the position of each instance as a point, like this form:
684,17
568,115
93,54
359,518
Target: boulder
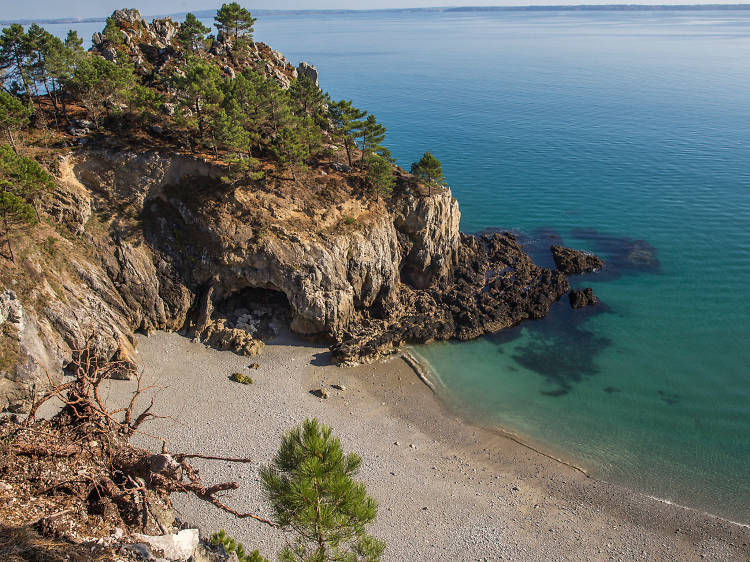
582,297
575,262
127,16
305,69
176,547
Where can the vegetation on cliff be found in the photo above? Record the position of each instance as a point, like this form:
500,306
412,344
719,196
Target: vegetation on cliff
175,84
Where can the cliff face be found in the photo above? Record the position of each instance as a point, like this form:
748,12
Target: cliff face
158,242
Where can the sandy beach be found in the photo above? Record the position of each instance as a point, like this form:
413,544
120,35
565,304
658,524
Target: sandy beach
447,490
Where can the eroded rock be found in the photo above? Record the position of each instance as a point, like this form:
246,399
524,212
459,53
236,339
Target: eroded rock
582,297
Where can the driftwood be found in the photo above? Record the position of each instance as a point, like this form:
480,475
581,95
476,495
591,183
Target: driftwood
129,472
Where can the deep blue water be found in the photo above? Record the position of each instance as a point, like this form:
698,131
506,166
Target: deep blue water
600,129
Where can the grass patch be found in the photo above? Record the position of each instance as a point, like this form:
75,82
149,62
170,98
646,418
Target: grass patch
240,378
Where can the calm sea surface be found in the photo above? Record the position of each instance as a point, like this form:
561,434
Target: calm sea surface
601,130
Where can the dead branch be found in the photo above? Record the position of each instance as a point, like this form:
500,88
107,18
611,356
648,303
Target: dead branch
181,457
129,471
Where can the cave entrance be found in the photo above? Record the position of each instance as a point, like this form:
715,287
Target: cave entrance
263,313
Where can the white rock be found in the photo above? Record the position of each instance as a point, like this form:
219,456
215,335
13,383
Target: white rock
180,546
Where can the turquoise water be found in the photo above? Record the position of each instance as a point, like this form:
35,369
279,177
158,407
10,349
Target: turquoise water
599,128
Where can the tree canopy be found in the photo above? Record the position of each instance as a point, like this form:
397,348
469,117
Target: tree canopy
235,21
347,121
430,170
14,115
21,181
192,33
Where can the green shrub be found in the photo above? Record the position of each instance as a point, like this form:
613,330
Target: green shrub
240,378
230,545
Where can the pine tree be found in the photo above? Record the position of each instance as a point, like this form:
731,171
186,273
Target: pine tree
312,491
199,89
61,61
112,32
22,176
192,33
100,84
429,170
14,115
15,212
235,21
380,175
371,135
308,99
21,181
73,41
290,149
346,120
45,55
310,134
14,56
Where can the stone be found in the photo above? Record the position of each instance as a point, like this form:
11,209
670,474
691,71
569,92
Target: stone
338,386
178,547
163,464
341,167
575,262
320,393
78,131
305,69
582,297
127,16
11,310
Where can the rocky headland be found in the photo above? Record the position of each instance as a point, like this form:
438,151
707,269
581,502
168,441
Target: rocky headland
143,235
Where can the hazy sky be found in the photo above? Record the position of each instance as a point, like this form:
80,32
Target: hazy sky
45,9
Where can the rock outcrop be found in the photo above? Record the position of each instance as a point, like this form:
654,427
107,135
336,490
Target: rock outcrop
153,49
305,69
575,262
582,297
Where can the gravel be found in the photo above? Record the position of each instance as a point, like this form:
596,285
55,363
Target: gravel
456,492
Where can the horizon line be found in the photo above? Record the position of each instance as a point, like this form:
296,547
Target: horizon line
520,8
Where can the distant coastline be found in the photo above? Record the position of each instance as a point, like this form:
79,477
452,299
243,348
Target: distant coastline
550,8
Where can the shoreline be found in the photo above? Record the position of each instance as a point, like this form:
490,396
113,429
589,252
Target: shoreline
422,369
466,491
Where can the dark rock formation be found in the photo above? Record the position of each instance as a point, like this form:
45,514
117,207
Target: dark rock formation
493,285
575,262
582,297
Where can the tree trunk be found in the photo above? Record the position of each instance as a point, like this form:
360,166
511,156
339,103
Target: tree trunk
50,94
11,140
348,152
7,238
200,118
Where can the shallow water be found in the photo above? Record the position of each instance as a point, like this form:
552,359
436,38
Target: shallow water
597,130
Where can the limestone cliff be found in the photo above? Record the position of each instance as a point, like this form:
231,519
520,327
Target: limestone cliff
156,241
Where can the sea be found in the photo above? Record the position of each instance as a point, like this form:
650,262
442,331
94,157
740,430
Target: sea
626,133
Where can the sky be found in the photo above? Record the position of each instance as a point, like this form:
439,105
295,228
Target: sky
48,9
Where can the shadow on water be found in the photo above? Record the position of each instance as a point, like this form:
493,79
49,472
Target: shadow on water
561,348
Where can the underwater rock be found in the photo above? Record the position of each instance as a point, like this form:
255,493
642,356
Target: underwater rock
575,262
